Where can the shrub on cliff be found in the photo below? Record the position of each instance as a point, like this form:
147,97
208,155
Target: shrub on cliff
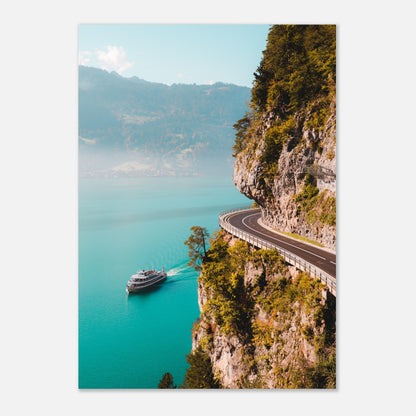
197,243
268,314
294,86
298,65
199,374
223,274
166,382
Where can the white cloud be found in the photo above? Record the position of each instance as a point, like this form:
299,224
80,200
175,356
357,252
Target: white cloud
113,59
84,57
180,75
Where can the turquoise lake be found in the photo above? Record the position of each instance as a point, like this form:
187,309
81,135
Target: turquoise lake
130,224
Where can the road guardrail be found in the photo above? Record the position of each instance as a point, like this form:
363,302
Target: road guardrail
289,257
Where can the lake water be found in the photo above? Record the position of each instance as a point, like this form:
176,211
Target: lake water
130,224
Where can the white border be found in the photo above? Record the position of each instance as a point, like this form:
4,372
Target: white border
376,91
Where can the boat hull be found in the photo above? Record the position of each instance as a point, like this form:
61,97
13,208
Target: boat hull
136,288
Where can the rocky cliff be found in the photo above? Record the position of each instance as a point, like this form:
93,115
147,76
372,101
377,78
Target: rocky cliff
285,146
263,325
308,155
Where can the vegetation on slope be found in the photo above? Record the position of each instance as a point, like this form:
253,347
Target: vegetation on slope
199,374
177,125
166,382
298,66
197,243
293,91
232,310
318,207
296,76
284,323
295,83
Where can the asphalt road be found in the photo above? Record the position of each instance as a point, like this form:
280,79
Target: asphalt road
247,221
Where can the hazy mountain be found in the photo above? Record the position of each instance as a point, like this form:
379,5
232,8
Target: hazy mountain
128,126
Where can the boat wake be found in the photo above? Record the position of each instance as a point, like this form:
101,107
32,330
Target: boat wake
179,273
177,270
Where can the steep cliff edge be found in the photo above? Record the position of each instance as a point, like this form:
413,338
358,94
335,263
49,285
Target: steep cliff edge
263,324
286,146
284,198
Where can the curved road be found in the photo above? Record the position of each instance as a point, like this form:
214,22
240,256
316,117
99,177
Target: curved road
248,221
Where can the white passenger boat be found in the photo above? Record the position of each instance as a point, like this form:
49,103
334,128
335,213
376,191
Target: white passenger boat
145,279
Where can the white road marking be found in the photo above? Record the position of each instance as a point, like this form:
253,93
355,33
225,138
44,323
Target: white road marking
281,241
333,262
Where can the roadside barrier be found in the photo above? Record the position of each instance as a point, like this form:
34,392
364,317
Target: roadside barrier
289,257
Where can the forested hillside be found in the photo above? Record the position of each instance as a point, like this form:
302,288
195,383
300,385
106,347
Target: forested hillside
140,127
285,145
263,323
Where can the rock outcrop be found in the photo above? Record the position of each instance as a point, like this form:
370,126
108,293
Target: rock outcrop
289,322
285,145
264,324
309,151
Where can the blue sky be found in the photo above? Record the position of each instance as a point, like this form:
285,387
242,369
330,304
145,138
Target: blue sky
200,54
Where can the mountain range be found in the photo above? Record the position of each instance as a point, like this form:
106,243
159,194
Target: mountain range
132,127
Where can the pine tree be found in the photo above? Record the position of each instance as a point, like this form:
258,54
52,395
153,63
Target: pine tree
199,374
197,246
166,382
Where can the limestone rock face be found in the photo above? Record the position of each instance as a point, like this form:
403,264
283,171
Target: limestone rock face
311,150
246,360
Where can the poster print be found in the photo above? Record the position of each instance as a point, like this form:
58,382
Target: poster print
207,206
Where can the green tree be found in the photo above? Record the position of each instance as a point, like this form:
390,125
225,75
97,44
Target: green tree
295,79
166,382
241,129
199,374
197,246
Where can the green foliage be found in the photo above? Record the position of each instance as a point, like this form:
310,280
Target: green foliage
206,342
166,382
151,119
306,198
238,256
328,213
330,154
263,334
199,374
275,139
318,114
298,65
295,82
274,142
282,293
218,250
241,129
307,332
319,207
280,299
223,274
232,309
272,262
323,374
197,246
300,237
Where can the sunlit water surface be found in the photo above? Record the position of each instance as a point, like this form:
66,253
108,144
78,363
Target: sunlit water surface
126,225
